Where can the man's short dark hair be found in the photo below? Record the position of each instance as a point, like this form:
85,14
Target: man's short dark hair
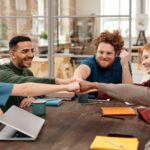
15,40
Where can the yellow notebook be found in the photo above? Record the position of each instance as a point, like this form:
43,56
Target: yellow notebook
114,143
108,111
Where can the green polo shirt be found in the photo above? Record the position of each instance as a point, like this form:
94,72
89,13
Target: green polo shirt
9,73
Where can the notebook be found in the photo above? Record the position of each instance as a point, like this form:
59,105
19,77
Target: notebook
114,143
110,111
52,101
20,125
62,95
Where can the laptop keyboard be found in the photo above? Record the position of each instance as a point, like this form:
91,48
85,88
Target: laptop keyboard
20,135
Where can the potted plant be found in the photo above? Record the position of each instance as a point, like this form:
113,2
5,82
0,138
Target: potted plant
43,38
43,35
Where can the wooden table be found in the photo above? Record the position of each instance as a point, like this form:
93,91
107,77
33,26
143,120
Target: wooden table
73,126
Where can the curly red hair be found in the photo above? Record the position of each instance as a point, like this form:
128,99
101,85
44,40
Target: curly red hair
146,47
114,39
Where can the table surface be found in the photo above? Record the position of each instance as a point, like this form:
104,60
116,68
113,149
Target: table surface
73,126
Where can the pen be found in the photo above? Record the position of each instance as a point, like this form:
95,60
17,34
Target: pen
114,117
116,144
91,103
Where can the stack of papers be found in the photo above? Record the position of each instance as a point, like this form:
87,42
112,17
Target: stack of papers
114,143
62,95
52,102
110,111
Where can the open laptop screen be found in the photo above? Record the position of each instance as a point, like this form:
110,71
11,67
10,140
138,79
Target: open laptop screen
17,119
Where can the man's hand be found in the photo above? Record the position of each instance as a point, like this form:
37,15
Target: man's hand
126,74
78,79
64,81
73,87
124,55
87,87
26,102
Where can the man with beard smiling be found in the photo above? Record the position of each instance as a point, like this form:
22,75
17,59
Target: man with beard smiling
21,53
106,66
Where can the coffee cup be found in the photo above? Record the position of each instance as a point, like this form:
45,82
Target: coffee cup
83,98
39,107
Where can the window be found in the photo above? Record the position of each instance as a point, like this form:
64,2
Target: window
41,13
117,7
27,17
21,5
148,13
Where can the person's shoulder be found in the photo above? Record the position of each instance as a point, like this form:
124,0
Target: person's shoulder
28,71
90,62
117,60
117,63
89,59
5,66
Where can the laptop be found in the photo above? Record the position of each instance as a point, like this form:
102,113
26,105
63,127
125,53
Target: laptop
20,125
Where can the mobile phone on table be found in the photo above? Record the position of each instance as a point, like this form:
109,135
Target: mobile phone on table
119,134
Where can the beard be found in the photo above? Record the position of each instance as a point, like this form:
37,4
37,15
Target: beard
104,63
25,63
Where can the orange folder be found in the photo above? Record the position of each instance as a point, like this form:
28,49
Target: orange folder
111,111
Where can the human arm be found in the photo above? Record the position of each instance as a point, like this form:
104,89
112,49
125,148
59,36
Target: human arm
11,77
126,74
36,89
64,81
124,92
82,72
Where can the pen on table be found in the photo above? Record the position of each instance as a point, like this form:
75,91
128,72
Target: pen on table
113,117
91,103
116,144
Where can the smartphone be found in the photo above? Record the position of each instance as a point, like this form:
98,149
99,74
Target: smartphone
118,134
